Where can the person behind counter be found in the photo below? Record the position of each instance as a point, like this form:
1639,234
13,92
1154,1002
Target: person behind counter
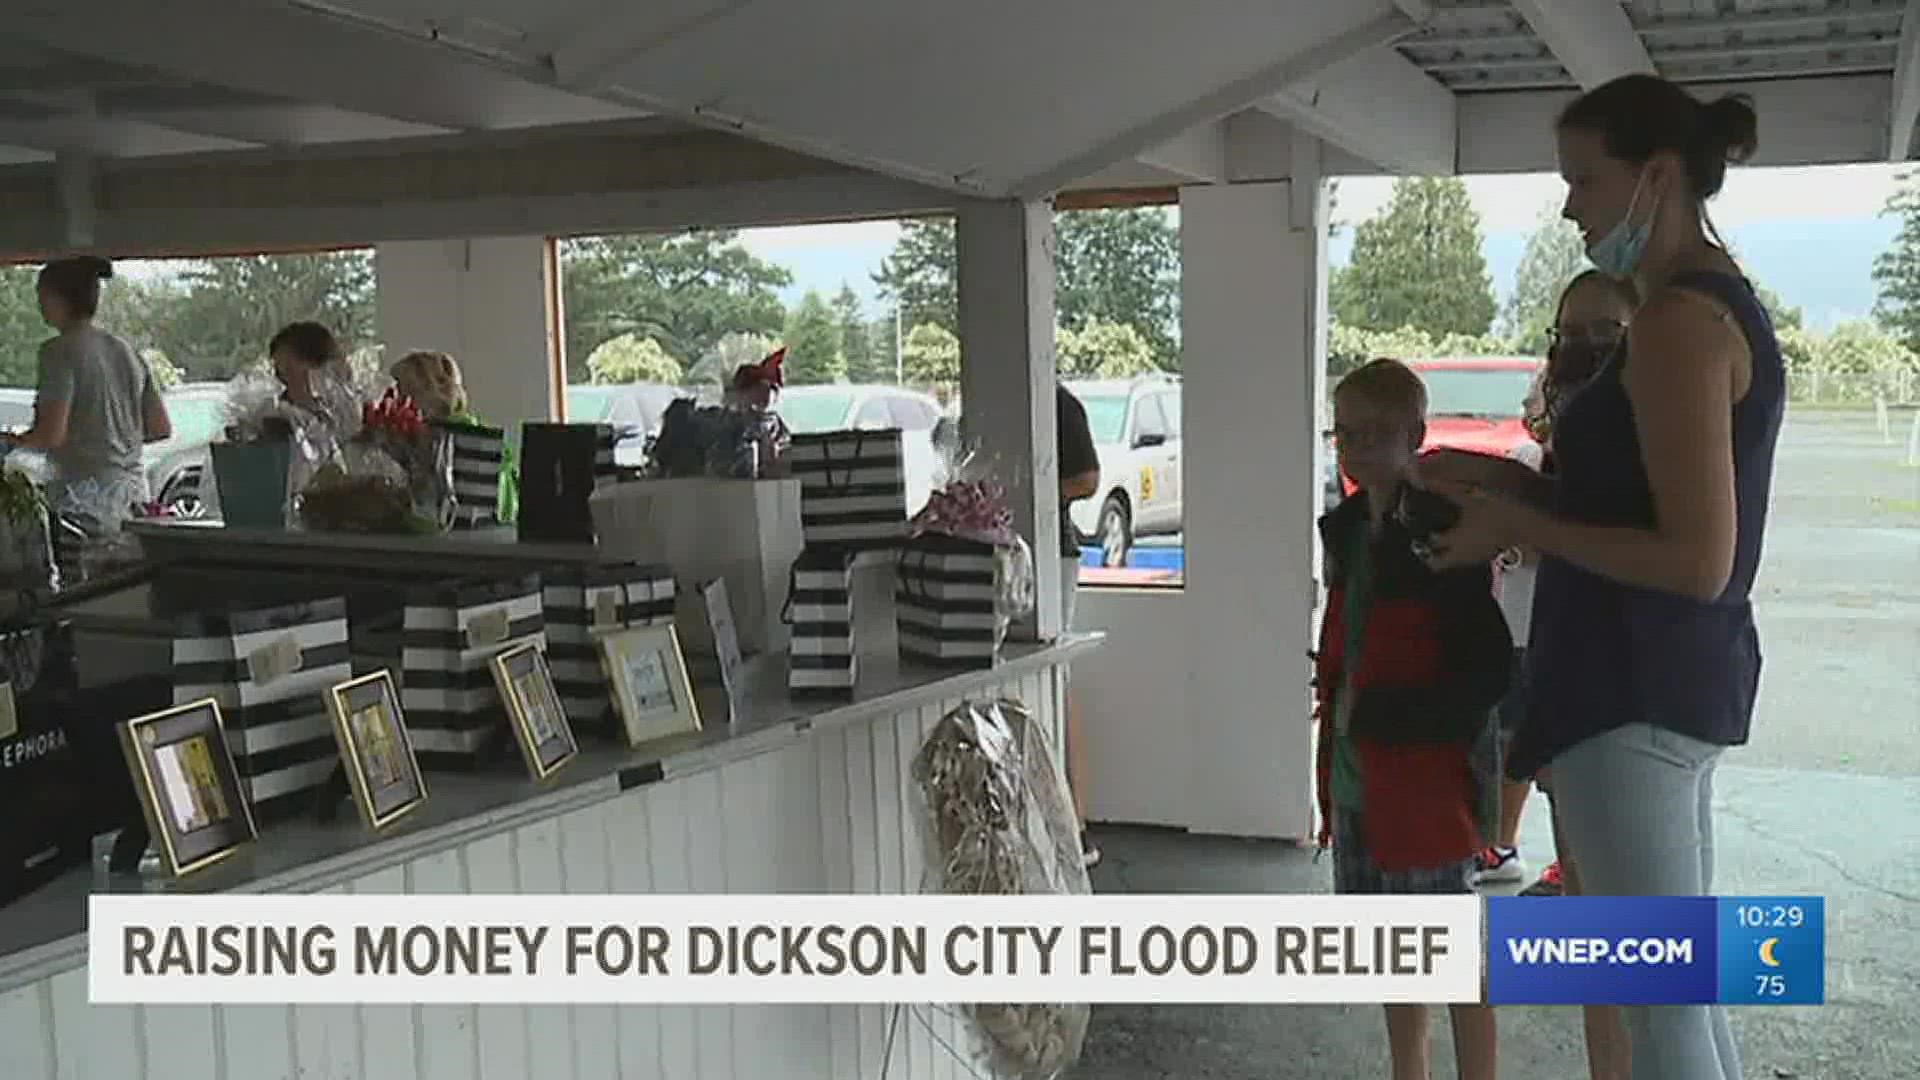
434,382
96,404
298,351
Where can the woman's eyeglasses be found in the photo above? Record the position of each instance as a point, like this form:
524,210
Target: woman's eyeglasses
1606,333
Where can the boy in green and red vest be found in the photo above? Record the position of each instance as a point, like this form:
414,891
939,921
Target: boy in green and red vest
1410,666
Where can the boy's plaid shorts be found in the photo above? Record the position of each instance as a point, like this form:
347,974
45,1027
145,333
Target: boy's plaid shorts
1355,872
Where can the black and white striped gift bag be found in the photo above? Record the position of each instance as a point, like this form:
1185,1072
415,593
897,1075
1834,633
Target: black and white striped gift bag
477,455
448,635
582,602
943,601
821,658
853,488
561,466
270,669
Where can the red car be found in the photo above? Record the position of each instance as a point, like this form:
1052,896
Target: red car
1473,403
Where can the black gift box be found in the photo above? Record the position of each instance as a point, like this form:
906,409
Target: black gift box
561,465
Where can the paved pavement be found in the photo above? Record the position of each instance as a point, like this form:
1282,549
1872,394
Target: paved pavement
1826,800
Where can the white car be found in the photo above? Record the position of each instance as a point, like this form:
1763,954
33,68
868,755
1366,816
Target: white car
811,409
1136,431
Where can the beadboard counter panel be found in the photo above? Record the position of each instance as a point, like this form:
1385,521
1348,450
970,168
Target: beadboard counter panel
795,797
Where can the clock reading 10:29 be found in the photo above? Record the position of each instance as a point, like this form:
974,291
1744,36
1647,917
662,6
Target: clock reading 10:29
1772,950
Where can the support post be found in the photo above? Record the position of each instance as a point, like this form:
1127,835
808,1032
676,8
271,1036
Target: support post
1007,377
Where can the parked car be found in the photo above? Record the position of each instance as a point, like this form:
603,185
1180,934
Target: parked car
1136,432
177,467
1473,403
634,409
836,407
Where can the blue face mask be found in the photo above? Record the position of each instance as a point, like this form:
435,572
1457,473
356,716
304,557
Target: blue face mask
1618,253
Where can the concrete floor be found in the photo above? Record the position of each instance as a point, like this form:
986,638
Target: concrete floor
1825,801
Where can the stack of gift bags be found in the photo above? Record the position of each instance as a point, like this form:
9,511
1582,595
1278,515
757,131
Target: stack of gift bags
853,503
963,575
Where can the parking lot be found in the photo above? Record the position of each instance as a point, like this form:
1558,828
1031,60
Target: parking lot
1825,801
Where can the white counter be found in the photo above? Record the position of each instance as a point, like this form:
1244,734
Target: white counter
799,797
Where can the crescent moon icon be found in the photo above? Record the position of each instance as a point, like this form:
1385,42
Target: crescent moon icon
1766,952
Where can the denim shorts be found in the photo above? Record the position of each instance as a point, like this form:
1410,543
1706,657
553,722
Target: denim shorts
1356,874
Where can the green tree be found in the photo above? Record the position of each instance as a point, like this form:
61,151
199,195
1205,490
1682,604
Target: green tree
1102,350
921,274
1785,316
814,352
856,340
686,291
632,359
1555,254
1896,271
882,341
1418,263
227,310
931,356
1120,267
21,329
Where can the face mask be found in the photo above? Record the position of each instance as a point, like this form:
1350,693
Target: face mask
1618,253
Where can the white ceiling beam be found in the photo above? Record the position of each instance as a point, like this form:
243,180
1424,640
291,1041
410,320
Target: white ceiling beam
104,136
1815,121
1197,156
1377,106
1905,107
267,48
1219,103
79,210
1593,39
586,59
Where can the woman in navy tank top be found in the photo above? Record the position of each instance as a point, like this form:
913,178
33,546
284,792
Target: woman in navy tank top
1644,657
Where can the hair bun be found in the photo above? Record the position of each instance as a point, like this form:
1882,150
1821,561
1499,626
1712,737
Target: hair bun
1732,124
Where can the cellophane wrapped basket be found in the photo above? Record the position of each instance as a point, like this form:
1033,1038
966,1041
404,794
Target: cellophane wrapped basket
393,474
996,818
969,502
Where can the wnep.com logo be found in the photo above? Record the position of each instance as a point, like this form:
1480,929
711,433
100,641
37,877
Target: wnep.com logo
1655,950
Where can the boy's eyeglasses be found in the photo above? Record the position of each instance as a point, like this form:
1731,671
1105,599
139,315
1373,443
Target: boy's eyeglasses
1364,437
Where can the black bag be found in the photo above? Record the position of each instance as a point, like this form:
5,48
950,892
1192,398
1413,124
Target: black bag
560,467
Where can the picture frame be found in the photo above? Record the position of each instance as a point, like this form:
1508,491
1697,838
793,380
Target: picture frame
376,749
652,691
189,789
534,712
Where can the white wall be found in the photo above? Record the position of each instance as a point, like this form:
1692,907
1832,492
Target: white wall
1197,710
484,301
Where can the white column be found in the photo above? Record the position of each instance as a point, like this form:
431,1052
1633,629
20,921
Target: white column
486,302
1253,298
1007,375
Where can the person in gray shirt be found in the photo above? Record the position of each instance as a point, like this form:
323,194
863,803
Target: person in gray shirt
96,404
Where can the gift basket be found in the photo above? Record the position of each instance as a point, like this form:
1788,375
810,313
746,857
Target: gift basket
395,474
743,438
963,574
996,819
274,447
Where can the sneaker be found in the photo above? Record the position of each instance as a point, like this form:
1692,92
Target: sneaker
1498,864
1548,884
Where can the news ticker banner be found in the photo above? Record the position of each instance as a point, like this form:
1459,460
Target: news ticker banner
881,949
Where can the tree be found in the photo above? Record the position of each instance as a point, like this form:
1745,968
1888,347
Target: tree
1784,317
226,310
726,356
21,328
1555,254
1102,350
856,340
883,339
1418,263
932,356
631,359
1896,271
1120,267
814,352
921,274
685,291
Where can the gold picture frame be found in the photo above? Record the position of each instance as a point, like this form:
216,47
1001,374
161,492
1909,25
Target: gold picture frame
534,712
376,749
188,785
651,688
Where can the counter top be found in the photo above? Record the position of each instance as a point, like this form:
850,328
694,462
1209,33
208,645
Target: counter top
163,539
44,932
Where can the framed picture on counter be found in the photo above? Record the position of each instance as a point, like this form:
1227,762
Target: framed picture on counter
376,749
533,708
651,688
188,785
